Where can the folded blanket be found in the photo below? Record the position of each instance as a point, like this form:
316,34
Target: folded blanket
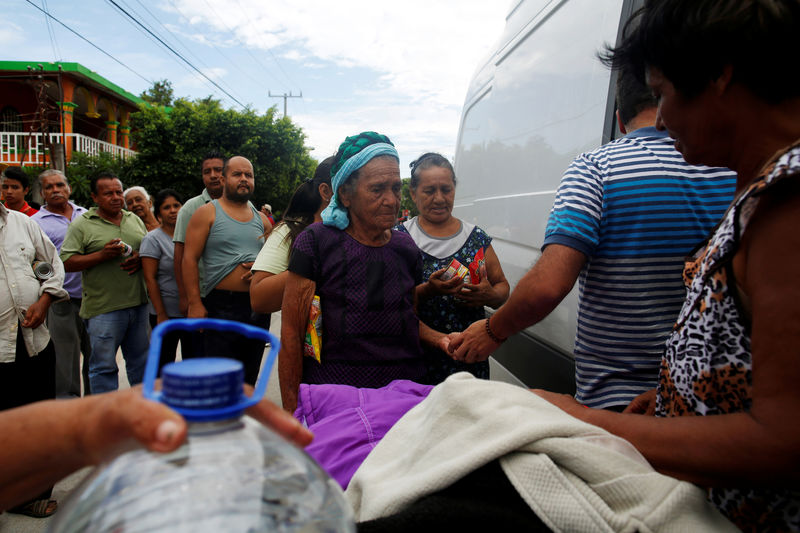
575,476
349,422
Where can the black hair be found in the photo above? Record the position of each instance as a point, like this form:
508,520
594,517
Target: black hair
162,197
692,42
16,173
104,175
213,154
428,160
306,200
633,95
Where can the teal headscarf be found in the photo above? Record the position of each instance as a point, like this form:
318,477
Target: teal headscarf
353,153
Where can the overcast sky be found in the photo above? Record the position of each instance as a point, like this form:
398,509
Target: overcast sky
399,68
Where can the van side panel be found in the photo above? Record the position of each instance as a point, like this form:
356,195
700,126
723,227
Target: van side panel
541,100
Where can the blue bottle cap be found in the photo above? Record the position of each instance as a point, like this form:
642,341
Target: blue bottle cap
204,390
202,384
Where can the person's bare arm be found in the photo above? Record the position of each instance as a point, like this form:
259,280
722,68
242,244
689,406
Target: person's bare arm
267,224
493,288
150,272
760,447
183,301
539,291
43,442
196,236
79,262
432,337
266,291
427,334
297,299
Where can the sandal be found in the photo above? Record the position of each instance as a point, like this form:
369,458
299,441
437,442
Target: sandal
36,509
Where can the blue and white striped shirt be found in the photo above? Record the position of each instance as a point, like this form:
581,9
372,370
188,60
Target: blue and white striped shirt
636,209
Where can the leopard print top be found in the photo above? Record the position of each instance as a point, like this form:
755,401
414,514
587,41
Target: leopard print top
707,365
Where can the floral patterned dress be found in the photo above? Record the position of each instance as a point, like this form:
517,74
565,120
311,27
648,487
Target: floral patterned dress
446,314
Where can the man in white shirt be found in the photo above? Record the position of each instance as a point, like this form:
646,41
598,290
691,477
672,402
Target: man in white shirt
27,356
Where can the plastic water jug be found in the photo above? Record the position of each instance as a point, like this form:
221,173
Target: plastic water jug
233,474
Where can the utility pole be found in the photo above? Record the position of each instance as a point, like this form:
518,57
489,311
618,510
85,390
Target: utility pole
285,96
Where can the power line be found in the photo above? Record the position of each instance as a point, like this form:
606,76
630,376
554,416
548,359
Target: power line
258,36
174,37
168,47
211,43
90,42
51,33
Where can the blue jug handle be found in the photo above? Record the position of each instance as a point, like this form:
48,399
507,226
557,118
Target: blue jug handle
193,324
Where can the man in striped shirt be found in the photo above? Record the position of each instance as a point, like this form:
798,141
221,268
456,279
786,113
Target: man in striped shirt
624,218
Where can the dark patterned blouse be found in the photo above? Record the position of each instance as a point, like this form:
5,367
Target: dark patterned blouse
370,334
444,313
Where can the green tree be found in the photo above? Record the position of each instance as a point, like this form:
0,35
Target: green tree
405,200
83,167
80,170
171,145
160,94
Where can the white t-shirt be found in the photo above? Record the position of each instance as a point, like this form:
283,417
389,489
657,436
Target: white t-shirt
439,247
274,255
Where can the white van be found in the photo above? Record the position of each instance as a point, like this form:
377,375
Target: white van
538,101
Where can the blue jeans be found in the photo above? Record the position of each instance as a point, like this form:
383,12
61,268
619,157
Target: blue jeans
127,328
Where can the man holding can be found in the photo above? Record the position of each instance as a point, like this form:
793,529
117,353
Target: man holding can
103,245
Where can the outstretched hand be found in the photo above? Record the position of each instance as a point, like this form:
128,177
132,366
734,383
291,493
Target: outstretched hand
473,344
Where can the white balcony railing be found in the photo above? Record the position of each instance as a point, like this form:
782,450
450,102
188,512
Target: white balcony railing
14,144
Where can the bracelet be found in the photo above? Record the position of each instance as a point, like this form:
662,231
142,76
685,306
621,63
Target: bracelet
491,334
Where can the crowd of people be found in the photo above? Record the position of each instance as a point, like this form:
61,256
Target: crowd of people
687,352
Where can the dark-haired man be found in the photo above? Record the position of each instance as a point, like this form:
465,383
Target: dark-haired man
211,171
103,245
16,186
227,234
624,218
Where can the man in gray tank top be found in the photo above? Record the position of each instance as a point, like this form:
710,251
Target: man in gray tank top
227,234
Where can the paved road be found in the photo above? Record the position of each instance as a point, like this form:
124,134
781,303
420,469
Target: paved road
11,523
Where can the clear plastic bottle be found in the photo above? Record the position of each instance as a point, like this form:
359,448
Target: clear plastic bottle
233,474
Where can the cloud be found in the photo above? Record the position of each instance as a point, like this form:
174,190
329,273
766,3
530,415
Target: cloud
422,55
10,34
425,49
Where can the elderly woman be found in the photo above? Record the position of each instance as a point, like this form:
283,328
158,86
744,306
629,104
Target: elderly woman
729,96
449,304
138,202
364,274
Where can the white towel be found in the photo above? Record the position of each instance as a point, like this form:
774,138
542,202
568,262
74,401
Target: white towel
575,476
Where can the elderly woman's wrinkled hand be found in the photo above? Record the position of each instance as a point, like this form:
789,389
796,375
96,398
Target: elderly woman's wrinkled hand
437,285
477,295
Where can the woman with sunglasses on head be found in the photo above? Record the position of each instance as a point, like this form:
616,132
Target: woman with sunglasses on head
452,304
